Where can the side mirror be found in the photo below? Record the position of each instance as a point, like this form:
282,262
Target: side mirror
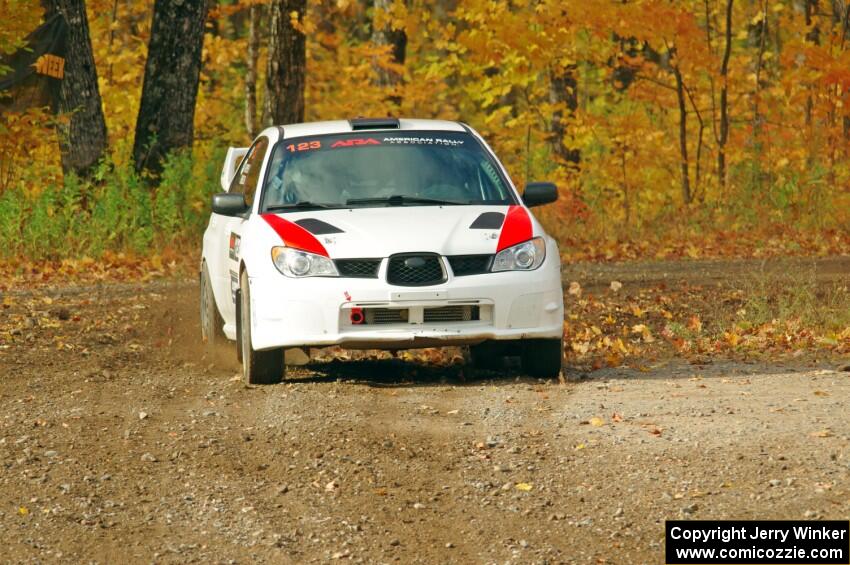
539,193
228,204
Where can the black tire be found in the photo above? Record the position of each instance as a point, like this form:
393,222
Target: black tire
489,356
258,367
212,333
542,357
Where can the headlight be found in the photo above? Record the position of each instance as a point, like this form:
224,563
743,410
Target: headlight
525,256
296,263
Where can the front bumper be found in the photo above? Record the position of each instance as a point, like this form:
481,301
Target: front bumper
316,311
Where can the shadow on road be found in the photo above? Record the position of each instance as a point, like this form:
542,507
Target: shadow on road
390,373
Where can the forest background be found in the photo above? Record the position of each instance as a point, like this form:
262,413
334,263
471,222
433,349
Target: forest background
690,128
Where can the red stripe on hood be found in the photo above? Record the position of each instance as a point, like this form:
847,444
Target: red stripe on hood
294,235
516,229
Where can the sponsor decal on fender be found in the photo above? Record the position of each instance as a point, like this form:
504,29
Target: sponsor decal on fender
235,242
294,235
516,229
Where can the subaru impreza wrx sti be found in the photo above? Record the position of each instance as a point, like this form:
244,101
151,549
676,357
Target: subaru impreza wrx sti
380,234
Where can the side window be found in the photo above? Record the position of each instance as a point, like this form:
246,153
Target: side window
246,178
491,184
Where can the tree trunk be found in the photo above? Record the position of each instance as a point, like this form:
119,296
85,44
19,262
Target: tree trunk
563,91
683,136
172,73
723,137
286,70
694,192
397,39
82,141
845,27
251,73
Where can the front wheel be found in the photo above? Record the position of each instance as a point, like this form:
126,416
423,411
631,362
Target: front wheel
542,357
258,367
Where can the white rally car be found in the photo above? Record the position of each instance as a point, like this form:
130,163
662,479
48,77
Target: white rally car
378,233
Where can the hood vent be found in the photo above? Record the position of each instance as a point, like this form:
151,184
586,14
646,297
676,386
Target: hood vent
488,221
317,227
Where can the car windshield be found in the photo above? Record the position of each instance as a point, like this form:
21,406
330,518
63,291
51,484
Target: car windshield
405,168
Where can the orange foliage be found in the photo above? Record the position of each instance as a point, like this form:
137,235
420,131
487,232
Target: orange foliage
492,64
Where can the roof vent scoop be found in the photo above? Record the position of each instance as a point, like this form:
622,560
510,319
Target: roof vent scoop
358,124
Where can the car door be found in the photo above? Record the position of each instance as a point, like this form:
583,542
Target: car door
245,182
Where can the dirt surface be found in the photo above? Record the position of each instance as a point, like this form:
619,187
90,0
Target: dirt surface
121,441
730,272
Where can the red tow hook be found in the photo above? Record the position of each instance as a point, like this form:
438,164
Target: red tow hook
356,316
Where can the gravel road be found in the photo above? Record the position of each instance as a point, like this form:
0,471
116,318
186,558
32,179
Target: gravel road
120,441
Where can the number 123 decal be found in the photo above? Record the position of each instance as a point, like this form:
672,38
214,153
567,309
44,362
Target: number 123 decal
304,146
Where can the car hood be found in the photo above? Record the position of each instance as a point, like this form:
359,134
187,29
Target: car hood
380,232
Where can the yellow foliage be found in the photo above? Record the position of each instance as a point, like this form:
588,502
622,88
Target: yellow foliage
494,64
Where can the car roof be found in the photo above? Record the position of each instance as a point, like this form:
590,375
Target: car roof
344,126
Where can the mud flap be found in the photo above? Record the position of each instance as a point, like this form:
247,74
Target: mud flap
239,325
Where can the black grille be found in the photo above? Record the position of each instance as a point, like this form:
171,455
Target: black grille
463,265
386,316
358,268
415,269
451,314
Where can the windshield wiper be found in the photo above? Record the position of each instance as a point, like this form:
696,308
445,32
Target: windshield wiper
303,205
401,200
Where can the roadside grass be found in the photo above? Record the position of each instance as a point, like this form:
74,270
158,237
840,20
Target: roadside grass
797,297
116,212
776,311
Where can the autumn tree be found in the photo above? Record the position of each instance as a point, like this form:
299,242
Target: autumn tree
722,133
252,54
82,138
172,73
563,89
286,68
386,33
